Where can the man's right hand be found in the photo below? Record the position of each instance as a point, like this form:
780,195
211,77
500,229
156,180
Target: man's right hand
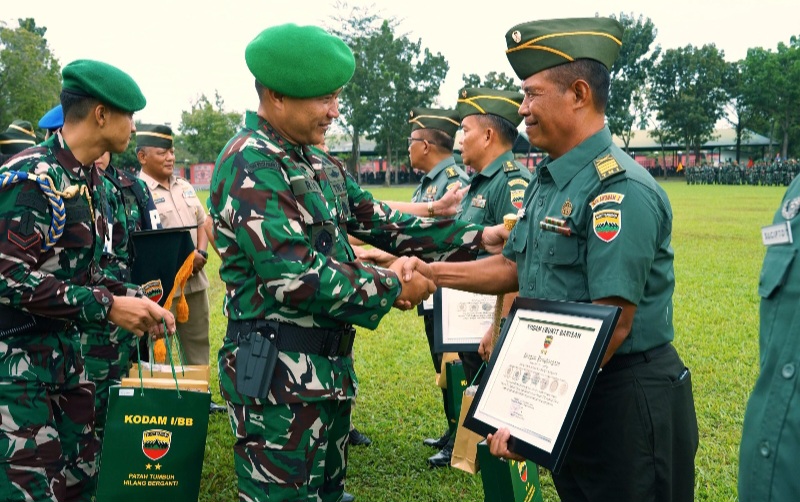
416,286
140,316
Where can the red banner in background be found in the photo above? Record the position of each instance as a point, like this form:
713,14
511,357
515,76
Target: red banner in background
200,174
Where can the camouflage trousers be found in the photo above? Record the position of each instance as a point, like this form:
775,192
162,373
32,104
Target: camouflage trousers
292,452
107,361
47,439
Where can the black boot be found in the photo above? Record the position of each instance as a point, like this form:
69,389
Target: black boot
442,459
357,439
438,443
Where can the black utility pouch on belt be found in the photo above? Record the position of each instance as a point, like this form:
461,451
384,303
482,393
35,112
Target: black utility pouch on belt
255,362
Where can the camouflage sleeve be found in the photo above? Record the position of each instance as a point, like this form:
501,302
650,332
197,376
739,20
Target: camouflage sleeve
261,225
26,282
402,234
116,258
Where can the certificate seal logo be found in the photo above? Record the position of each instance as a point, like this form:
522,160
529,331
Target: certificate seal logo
548,340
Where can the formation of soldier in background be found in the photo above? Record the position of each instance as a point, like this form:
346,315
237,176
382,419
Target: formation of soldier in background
762,173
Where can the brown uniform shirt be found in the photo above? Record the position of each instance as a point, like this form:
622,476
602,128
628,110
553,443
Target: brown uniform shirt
179,206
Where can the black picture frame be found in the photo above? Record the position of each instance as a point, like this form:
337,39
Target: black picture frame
441,340
485,415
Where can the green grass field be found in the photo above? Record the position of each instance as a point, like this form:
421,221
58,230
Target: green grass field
718,254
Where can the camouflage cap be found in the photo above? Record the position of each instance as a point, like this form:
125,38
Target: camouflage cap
53,119
18,136
445,120
539,45
300,61
482,101
108,84
159,136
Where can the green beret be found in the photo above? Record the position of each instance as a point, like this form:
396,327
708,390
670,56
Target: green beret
108,84
17,137
539,45
482,101
159,136
300,61
434,118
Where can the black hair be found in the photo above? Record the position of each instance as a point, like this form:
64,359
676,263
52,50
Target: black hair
503,127
593,72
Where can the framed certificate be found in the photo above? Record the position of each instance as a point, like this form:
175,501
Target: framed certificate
540,375
460,319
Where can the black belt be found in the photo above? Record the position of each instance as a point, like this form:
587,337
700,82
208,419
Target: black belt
290,338
622,361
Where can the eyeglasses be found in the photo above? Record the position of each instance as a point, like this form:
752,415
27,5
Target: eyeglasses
411,140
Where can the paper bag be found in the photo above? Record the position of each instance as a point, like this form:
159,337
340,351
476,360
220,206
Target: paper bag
508,480
465,456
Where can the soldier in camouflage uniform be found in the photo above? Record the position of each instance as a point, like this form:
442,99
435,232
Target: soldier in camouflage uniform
107,348
489,119
52,286
282,216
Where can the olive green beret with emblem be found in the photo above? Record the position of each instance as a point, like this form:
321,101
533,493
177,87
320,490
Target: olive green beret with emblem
435,118
17,137
482,101
300,61
159,136
108,84
539,45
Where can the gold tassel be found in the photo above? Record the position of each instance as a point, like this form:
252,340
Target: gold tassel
182,309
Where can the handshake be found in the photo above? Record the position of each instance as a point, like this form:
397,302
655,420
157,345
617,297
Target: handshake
418,278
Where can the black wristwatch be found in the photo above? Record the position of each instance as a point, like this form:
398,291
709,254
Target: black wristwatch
204,254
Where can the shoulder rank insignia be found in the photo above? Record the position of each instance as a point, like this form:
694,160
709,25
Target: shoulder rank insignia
607,166
451,172
510,166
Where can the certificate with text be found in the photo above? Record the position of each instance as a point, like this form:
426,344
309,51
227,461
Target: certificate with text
540,375
461,319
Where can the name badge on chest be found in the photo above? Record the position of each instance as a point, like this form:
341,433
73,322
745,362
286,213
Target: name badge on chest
779,233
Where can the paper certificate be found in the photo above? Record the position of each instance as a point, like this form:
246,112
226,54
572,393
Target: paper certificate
461,319
541,373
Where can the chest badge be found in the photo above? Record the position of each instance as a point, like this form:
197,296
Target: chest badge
791,208
566,209
478,201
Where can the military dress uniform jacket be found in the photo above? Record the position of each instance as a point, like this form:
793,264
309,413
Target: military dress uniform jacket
65,281
495,191
439,180
595,224
179,206
771,432
282,215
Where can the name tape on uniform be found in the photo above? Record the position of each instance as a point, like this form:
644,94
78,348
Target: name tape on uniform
779,233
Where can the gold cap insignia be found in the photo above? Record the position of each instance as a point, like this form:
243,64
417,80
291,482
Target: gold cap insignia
516,36
464,93
566,209
411,114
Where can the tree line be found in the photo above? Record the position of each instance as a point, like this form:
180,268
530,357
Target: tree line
677,93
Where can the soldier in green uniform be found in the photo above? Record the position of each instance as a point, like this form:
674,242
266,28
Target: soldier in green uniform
282,215
430,149
489,119
595,227
54,225
770,441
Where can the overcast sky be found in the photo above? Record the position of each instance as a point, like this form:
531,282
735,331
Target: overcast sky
178,49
